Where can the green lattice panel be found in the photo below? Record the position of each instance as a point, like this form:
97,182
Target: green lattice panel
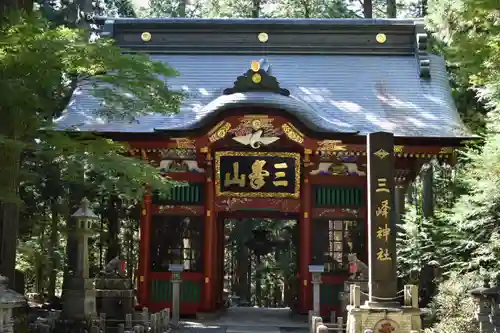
330,294
161,291
332,196
189,194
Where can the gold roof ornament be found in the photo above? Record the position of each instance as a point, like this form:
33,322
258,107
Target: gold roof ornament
255,66
256,78
263,37
381,38
146,36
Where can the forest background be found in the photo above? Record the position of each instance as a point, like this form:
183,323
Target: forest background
45,56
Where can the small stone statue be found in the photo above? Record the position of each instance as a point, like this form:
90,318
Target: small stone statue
112,267
357,268
428,284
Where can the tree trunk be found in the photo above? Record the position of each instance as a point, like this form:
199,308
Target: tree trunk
249,276
9,230
54,241
368,8
39,278
391,9
9,6
427,191
424,8
258,280
277,282
256,8
241,272
113,217
75,198
182,8
9,210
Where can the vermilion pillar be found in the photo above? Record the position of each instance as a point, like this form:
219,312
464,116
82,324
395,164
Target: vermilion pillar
305,225
208,302
145,257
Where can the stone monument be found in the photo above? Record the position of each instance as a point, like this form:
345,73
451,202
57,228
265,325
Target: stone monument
382,312
114,292
78,298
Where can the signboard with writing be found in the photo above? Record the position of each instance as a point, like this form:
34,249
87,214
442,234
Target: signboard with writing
382,233
257,174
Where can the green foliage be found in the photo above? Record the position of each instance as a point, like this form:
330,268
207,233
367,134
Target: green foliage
453,308
465,25
464,234
40,67
314,9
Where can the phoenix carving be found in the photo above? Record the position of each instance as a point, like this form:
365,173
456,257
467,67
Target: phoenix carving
256,140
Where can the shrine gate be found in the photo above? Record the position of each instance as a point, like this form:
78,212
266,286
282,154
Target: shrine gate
274,125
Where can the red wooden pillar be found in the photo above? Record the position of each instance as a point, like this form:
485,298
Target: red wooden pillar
208,301
305,225
145,258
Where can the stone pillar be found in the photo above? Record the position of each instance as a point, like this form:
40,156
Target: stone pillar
381,228
176,291
316,297
316,271
382,312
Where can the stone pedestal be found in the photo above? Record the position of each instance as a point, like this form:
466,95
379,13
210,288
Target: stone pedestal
114,297
316,282
78,299
363,286
368,318
176,301
176,270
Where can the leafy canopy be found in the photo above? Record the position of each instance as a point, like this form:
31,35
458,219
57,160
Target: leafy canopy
40,68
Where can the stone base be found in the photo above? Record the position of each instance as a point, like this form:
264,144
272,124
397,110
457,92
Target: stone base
380,319
113,283
79,302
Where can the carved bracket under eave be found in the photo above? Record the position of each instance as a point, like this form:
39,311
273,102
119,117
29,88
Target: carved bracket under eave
260,80
423,59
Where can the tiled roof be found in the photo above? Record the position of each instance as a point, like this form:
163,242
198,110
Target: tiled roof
329,93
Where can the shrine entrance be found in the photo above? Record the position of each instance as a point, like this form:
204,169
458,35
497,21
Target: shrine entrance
260,261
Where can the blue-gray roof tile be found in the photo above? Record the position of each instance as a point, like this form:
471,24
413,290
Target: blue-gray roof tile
332,93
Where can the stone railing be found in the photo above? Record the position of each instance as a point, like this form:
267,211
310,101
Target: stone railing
316,324
154,323
367,319
138,322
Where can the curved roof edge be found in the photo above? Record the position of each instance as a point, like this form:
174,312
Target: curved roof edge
298,109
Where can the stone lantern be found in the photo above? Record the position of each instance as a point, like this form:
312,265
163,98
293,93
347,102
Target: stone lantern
316,271
9,300
79,295
487,299
176,268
